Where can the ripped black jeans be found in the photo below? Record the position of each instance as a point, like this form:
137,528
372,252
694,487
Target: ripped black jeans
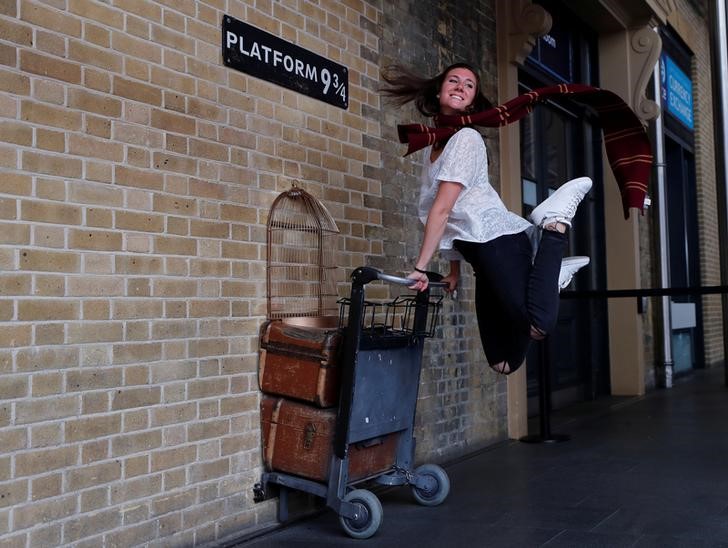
513,293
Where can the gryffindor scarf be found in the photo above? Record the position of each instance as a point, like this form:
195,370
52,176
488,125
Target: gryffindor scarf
625,139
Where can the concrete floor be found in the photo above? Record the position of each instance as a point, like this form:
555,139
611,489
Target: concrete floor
636,472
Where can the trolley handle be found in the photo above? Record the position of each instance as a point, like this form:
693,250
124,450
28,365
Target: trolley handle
365,274
404,281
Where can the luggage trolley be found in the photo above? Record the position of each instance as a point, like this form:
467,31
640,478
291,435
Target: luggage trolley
380,376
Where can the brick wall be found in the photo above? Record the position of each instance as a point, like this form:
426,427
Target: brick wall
136,173
462,402
695,17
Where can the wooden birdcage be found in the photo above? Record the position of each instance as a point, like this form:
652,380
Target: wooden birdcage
301,249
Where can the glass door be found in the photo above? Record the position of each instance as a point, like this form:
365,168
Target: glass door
558,144
683,253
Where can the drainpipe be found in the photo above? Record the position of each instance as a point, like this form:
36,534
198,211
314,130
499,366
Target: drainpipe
719,61
665,379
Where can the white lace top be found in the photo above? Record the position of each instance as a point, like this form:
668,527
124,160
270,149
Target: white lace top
479,214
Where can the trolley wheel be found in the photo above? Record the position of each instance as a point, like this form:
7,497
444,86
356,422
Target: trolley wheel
437,485
370,514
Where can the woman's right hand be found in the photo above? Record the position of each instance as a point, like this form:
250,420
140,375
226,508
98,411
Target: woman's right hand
421,280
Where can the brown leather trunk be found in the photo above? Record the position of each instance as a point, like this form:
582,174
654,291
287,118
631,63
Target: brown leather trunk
300,362
298,439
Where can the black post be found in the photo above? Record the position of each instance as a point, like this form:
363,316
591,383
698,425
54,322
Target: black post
544,401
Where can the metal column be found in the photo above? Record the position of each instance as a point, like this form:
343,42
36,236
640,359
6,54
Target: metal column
667,364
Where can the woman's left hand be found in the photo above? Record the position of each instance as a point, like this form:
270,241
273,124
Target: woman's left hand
421,280
452,282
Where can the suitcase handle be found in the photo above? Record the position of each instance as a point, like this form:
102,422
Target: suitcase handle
370,442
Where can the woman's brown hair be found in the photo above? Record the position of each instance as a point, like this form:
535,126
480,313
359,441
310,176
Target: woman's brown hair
405,86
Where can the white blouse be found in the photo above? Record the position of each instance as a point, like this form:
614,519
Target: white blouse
479,214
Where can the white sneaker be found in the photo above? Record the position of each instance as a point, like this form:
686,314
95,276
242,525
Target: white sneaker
569,267
561,206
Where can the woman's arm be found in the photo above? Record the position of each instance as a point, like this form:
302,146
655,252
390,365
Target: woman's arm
447,195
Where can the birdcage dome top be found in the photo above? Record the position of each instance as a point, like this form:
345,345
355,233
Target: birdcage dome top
296,209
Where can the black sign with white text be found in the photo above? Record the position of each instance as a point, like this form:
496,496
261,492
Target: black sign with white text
260,54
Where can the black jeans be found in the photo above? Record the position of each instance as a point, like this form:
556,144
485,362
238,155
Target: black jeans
512,293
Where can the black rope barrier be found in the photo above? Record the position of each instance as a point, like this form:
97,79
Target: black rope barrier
651,292
544,374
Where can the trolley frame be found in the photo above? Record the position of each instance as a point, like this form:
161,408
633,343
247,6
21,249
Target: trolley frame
378,396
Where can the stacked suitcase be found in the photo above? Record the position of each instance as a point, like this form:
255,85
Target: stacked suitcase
299,373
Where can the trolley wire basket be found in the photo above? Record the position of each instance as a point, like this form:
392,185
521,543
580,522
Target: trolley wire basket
395,318
301,257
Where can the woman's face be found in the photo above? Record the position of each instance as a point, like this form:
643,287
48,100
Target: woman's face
457,91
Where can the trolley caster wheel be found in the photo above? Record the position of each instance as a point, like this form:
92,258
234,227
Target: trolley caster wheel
436,485
259,494
370,514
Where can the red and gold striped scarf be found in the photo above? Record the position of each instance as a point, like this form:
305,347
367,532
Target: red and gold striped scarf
625,138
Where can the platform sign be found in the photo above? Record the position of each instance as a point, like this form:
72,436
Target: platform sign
263,55
677,91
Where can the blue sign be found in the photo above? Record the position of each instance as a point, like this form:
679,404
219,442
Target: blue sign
677,91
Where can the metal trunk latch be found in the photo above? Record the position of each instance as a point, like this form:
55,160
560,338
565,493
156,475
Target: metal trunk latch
308,435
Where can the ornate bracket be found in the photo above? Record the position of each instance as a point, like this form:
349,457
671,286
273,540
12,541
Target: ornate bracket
527,23
646,46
